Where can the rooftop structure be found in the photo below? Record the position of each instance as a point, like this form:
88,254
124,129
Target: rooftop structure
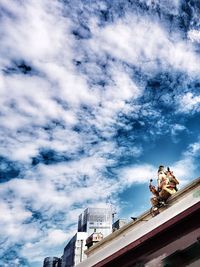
171,236
99,219
93,238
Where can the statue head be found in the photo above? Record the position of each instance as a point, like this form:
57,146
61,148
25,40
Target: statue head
161,168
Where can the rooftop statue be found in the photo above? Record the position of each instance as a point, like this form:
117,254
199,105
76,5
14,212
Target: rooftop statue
167,186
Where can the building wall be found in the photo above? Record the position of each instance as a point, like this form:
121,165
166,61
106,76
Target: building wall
79,248
52,262
184,251
96,218
68,255
74,250
91,219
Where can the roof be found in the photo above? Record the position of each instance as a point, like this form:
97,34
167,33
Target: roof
135,231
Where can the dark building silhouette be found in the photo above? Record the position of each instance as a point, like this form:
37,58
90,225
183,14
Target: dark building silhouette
52,262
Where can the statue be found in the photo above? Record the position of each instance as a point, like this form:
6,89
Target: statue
167,186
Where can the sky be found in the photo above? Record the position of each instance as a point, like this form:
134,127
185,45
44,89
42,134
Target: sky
94,96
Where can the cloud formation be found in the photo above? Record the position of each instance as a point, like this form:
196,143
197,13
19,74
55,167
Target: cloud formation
91,95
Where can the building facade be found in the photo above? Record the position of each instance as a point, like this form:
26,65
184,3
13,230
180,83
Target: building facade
74,250
91,220
99,219
52,262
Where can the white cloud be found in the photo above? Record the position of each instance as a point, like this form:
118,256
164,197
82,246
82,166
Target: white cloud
41,110
140,41
193,150
194,35
189,103
13,224
56,237
38,33
49,191
18,213
124,87
177,128
140,173
185,169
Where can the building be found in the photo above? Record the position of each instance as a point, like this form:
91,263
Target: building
91,220
74,250
52,262
172,238
96,218
93,239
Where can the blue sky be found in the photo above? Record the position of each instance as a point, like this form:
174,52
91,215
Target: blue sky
95,95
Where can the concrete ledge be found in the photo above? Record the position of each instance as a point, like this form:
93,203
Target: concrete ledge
146,216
